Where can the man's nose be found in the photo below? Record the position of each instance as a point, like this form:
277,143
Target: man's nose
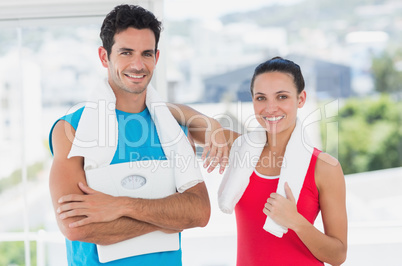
137,63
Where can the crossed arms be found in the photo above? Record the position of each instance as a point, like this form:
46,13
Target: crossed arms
86,215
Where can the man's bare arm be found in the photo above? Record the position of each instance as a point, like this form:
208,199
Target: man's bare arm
207,132
176,212
198,123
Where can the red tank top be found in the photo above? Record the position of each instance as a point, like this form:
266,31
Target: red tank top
255,246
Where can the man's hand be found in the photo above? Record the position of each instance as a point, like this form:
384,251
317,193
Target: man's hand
207,132
216,149
94,206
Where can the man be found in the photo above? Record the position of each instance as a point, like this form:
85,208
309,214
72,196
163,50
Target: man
88,218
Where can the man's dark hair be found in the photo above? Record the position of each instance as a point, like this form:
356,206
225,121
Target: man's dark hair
279,64
125,16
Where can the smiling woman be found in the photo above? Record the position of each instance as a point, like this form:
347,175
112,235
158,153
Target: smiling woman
276,100
277,90
272,198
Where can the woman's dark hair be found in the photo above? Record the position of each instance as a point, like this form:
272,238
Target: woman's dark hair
279,64
125,16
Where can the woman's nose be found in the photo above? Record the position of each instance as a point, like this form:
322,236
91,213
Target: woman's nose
271,107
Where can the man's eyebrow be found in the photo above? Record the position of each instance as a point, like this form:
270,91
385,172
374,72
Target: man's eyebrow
149,51
125,50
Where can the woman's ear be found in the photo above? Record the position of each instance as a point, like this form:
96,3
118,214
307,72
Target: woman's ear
302,99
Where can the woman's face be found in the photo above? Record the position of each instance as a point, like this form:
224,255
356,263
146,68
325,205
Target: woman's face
276,100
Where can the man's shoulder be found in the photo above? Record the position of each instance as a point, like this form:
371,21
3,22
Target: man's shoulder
73,117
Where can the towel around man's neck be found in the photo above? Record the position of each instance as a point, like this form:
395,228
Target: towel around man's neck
244,155
96,136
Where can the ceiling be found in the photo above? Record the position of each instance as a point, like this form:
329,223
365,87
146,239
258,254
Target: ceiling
42,9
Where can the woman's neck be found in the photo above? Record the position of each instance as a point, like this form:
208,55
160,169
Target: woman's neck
271,158
277,142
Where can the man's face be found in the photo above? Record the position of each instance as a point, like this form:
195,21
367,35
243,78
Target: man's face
132,60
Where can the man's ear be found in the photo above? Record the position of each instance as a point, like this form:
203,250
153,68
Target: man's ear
156,57
103,56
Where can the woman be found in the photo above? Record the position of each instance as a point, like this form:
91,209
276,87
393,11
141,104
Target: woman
277,89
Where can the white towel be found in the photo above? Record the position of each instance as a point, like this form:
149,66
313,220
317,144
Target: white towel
243,158
97,135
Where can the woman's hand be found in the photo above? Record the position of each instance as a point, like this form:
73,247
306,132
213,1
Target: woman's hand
282,210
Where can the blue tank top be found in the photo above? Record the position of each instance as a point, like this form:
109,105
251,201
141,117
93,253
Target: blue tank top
138,141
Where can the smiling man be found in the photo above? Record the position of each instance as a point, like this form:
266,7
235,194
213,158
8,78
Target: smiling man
122,226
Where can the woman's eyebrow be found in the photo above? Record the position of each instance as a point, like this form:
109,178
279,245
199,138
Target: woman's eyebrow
282,91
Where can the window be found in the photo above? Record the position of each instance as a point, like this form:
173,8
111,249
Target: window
46,68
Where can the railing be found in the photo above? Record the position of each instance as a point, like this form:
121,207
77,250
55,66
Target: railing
41,238
362,233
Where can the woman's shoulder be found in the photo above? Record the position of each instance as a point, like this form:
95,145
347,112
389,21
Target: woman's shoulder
328,170
327,160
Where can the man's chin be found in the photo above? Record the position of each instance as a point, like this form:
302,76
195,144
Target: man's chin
134,90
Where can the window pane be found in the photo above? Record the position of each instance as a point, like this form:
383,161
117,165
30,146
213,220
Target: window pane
45,71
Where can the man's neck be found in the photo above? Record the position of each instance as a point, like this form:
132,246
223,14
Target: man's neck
131,103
